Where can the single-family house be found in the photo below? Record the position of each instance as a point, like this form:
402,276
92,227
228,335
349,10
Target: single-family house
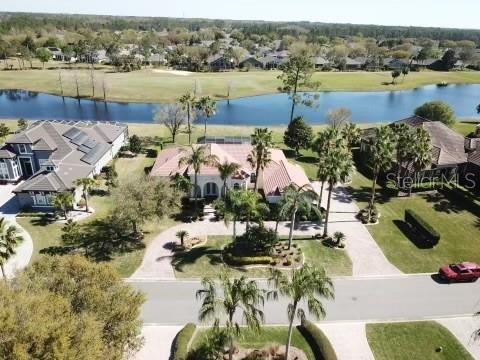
320,62
220,62
273,180
51,155
250,62
57,53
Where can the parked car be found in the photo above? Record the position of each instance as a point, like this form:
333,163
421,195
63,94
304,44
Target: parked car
465,271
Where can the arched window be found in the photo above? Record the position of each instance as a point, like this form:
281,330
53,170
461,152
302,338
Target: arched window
236,186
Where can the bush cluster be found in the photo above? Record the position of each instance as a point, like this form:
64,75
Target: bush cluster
363,215
321,346
181,341
245,260
426,230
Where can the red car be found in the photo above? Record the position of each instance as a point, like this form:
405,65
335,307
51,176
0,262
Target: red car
465,271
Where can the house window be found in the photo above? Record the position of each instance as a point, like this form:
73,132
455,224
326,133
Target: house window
236,186
22,148
50,168
3,170
253,177
42,199
15,167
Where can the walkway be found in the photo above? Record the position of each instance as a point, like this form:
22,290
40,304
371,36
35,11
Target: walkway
24,251
366,256
349,340
463,328
158,342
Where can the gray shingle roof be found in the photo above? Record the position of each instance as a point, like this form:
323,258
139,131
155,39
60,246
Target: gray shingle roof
6,154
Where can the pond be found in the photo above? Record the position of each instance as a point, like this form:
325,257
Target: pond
273,109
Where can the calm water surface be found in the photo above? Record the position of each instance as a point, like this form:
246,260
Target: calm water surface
271,109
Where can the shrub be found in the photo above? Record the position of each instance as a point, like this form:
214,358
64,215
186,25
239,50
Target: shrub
423,227
246,260
321,346
181,341
257,241
151,153
437,111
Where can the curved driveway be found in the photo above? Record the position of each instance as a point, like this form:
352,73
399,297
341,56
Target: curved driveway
404,297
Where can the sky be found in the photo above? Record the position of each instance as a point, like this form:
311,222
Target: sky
438,13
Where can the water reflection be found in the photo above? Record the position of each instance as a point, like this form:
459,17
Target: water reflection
266,109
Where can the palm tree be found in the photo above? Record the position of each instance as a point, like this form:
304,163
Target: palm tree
381,157
63,201
188,102
296,197
251,206
232,208
404,142
338,167
241,295
422,152
226,170
182,234
87,184
208,107
9,239
351,133
259,157
196,158
305,284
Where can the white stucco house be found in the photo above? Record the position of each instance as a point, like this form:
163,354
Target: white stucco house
272,180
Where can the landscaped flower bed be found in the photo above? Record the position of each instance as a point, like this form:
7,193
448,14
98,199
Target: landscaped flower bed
280,257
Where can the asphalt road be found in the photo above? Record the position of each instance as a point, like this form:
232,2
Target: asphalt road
413,297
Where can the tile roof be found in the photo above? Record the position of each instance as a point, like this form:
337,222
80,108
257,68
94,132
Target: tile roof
277,175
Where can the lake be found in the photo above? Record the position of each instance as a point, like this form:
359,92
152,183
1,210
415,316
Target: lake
273,109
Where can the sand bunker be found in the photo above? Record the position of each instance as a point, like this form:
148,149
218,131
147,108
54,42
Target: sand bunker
172,72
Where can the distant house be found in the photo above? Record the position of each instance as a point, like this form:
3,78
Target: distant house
320,62
353,64
57,54
51,155
94,57
156,59
220,63
250,62
395,64
271,62
449,152
273,180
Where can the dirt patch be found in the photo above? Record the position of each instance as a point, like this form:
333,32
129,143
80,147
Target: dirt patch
172,72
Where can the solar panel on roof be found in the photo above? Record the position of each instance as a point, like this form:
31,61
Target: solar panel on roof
95,154
90,143
80,138
71,133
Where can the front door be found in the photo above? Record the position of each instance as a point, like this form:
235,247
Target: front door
26,165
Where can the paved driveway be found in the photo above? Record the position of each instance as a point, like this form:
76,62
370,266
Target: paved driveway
8,209
366,256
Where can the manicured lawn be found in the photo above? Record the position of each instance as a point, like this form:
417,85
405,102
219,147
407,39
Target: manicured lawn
206,260
270,335
465,126
456,222
46,235
414,340
149,86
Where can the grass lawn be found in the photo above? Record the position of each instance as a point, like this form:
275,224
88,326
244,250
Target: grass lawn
206,260
270,335
414,340
149,86
465,126
46,235
457,243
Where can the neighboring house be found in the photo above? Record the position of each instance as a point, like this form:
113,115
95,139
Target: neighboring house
220,62
271,62
250,62
395,64
353,64
57,54
51,155
272,180
320,62
156,59
449,152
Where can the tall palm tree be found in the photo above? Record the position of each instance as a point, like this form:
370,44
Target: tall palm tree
307,284
188,102
233,203
323,144
87,184
226,170
208,107
196,158
296,197
63,201
338,168
259,158
252,206
351,133
422,152
239,295
381,156
9,239
403,146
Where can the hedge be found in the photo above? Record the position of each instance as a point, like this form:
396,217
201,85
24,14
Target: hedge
423,227
181,341
321,346
246,260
